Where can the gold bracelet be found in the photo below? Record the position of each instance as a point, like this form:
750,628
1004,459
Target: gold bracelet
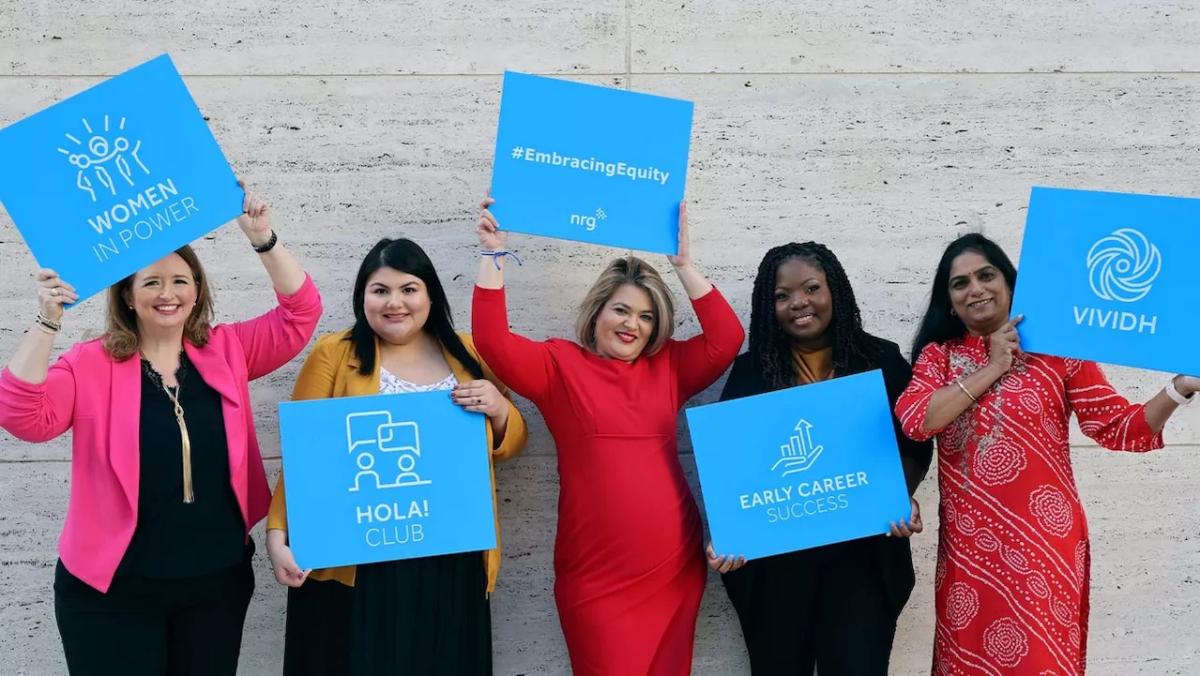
967,392
48,323
45,329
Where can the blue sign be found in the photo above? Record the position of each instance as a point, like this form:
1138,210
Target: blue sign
1110,277
385,477
818,464
116,177
590,164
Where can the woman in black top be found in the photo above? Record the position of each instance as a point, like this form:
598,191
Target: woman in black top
833,607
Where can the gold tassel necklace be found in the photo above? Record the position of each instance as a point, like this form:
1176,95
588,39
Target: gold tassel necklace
185,441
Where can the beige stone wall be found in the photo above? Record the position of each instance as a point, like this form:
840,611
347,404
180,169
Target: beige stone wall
880,128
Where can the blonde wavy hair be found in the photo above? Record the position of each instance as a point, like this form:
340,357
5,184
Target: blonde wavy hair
121,339
637,272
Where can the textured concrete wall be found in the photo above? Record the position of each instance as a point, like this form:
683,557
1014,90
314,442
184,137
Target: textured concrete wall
881,128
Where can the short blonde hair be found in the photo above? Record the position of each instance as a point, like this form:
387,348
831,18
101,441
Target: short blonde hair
637,272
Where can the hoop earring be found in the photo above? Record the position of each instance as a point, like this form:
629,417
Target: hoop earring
953,313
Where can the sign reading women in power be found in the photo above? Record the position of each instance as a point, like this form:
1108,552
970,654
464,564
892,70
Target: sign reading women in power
1109,277
818,464
385,477
116,177
590,164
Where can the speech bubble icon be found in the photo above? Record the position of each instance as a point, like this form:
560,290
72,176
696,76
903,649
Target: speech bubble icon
362,429
400,437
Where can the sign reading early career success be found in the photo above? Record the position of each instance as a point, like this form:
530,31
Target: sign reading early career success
819,464
116,177
589,163
385,477
1110,277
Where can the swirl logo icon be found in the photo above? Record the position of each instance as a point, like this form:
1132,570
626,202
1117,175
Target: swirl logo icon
1123,266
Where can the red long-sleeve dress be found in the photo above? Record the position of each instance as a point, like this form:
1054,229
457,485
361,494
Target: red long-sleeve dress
1013,565
628,560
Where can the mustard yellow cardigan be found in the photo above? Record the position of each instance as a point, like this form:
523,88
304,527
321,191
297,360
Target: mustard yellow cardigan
331,370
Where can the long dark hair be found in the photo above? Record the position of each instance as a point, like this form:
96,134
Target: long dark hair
406,256
939,325
770,347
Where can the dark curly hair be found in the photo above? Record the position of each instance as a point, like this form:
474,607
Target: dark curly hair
770,347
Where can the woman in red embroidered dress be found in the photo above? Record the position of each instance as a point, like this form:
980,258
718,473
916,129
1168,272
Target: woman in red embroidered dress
1013,555
629,567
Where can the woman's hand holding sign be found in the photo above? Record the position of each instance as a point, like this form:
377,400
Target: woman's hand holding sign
723,563
255,220
1005,344
914,525
53,293
283,563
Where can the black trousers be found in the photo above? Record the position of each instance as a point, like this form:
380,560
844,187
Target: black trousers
143,626
825,608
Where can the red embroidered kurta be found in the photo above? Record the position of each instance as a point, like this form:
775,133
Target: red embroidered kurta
628,561
1011,585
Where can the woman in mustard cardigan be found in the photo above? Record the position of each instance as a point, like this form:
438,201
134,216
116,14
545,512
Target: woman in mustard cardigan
429,615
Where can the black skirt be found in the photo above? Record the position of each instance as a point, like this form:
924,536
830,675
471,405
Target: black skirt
417,616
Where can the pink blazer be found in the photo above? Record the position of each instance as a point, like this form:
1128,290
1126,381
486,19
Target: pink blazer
100,399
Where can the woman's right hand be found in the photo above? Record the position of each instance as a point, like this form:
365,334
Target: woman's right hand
283,563
491,238
53,293
1006,343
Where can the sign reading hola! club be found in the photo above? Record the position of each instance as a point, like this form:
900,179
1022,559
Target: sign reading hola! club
115,177
1109,277
385,477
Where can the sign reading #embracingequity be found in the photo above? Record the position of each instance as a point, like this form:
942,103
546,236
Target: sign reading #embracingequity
590,164
116,177
815,464
385,477
1110,277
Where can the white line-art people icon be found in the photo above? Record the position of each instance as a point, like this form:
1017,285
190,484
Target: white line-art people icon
1123,266
372,436
799,453
94,157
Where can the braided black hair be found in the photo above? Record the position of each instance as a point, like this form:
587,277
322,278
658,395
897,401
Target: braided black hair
770,347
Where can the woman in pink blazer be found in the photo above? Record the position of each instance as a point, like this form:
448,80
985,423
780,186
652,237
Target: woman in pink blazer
154,572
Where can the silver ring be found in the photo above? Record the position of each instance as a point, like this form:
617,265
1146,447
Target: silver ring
54,291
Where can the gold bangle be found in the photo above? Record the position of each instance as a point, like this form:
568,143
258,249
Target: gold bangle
45,329
967,392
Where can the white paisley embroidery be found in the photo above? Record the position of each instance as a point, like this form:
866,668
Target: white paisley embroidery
1052,510
1006,642
962,604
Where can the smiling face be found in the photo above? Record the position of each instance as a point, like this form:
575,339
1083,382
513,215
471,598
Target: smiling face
803,304
396,305
163,295
979,294
625,323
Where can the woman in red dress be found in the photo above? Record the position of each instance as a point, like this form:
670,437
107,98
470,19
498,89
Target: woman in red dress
629,566
1013,554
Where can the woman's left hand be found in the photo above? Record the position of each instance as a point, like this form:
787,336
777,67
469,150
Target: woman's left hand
684,257
481,396
724,563
913,526
255,220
